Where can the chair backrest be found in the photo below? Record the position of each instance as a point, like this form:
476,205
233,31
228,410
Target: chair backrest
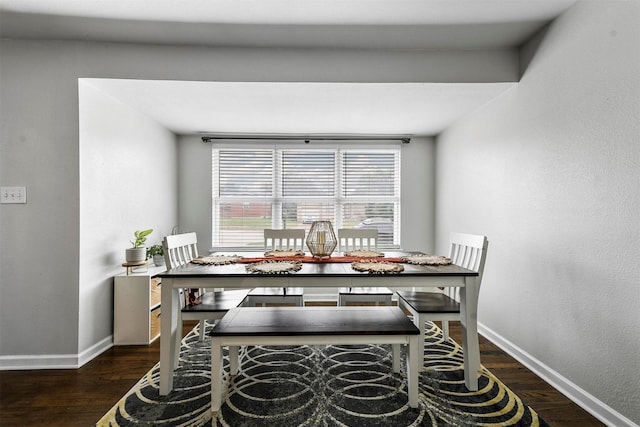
291,238
179,249
350,239
469,251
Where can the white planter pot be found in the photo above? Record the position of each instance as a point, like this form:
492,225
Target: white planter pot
136,254
158,260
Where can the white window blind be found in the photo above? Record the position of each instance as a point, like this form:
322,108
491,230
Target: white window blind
369,174
245,173
308,173
281,187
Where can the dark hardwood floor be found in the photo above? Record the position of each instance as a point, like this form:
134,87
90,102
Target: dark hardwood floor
79,397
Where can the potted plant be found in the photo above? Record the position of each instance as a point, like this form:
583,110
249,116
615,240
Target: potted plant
157,253
138,252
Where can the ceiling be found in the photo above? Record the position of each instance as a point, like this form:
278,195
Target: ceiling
437,24
303,108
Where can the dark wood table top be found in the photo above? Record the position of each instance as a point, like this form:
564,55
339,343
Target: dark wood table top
294,321
323,269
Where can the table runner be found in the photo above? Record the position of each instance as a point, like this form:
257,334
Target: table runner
227,259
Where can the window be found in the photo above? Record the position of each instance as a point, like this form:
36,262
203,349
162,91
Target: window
286,187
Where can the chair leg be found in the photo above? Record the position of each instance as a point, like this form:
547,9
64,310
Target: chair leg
445,329
395,361
234,364
203,326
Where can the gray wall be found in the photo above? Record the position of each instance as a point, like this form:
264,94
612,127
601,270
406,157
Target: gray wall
40,308
549,172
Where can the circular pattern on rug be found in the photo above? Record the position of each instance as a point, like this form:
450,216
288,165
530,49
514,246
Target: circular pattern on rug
347,385
275,385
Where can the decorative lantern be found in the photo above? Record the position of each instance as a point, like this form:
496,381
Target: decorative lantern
321,239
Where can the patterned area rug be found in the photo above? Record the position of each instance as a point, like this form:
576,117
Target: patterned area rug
322,386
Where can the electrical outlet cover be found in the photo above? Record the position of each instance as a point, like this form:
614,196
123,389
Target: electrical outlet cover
13,194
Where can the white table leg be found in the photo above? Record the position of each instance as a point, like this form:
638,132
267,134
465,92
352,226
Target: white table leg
419,322
233,359
414,352
216,374
470,343
168,333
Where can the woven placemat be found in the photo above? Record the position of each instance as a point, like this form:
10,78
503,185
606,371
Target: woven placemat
427,259
216,259
274,267
377,267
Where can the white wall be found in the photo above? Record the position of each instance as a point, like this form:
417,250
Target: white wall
418,172
549,172
128,182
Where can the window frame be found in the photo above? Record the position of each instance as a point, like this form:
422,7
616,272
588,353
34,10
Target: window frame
277,200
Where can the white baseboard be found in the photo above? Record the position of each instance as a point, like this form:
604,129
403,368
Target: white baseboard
588,402
55,361
95,350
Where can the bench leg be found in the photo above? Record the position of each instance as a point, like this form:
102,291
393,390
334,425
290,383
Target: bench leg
395,354
414,353
216,375
233,360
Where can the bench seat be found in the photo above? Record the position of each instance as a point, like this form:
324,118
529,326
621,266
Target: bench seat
314,326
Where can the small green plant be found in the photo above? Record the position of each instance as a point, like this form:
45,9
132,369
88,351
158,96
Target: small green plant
155,250
140,238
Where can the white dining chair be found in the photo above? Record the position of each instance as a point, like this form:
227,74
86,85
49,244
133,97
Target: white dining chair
274,240
288,239
350,239
179,249
466,250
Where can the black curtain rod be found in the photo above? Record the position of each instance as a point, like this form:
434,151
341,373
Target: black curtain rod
306,139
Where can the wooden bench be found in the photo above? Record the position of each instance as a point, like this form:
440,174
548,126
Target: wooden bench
314,326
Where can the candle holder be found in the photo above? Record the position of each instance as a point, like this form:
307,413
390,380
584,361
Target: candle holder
321,239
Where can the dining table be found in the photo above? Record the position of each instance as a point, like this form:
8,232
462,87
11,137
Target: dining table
331,272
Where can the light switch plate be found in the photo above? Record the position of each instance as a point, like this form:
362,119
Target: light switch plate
13,194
